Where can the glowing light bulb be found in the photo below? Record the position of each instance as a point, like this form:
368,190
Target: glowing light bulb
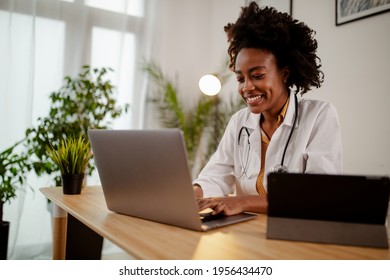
210,85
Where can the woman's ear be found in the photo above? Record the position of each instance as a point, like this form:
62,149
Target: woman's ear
285,74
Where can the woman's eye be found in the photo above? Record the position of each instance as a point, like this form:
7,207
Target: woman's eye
240,79
257,77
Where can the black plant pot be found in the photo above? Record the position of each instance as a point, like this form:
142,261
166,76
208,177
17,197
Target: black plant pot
4,231
72,183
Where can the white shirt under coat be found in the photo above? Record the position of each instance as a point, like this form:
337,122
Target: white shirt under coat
315,147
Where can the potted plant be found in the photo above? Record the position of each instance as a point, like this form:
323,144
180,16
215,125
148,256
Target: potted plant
84,102
208,115
72,157
13,170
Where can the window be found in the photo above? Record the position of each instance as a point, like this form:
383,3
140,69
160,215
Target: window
131,7
50,39
41,42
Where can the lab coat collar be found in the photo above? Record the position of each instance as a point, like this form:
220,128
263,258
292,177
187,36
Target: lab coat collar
252,121
289,118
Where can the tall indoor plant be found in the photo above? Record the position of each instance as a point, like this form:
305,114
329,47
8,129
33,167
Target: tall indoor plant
205,121
84,102
13,170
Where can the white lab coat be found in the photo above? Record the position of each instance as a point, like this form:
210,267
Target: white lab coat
315,147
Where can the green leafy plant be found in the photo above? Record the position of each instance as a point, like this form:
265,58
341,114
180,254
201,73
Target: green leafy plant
87,101
206,120
72,155
172,114
13,170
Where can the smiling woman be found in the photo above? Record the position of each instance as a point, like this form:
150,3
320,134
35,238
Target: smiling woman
42,41
271,54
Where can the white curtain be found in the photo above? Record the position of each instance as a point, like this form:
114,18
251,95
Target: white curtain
41,42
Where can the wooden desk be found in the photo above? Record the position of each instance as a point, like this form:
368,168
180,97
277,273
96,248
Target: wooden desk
150,240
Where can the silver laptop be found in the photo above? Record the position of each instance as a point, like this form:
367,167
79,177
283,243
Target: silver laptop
145,174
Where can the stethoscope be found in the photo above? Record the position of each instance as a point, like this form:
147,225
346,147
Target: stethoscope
244,161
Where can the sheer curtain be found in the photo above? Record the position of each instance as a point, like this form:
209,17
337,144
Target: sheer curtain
41,42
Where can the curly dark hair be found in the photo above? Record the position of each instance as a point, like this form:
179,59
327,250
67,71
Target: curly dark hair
290,41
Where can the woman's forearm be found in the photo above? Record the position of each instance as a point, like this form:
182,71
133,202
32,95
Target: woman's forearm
254,203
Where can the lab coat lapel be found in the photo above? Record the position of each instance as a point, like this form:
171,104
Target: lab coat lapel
252,123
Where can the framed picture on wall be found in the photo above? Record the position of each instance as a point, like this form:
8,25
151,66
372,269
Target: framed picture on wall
351,10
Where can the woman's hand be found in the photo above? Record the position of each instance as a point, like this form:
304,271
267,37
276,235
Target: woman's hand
198,191
226,205
233,205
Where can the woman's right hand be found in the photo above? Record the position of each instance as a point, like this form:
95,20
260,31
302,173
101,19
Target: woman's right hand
198,191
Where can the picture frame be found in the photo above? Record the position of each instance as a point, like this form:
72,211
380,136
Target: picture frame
352,10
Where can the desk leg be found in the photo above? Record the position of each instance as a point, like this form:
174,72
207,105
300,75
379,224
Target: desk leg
59,232
82,243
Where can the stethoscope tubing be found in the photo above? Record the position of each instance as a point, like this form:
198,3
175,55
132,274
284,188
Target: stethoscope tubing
292,129
278,168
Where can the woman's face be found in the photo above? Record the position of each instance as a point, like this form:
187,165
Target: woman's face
260,83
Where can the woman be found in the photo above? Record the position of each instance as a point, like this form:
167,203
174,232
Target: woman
273,58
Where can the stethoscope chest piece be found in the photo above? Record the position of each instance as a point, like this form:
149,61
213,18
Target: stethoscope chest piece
280,169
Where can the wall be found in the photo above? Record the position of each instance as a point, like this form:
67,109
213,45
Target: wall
190,41
356,61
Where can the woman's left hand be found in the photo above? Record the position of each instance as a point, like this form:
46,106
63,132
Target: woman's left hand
233,205
226,205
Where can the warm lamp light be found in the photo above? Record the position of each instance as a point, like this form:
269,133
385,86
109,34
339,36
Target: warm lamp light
210,85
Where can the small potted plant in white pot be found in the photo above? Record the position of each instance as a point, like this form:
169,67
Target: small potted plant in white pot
72,157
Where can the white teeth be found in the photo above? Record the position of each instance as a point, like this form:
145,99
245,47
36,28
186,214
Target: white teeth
251,99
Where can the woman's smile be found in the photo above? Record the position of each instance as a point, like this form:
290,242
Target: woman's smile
254,100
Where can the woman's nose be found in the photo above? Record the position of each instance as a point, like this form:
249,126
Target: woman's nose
248,86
